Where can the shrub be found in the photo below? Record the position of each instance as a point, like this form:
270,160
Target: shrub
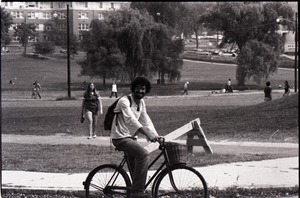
44,48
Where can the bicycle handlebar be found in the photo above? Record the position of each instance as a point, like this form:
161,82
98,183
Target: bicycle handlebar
161,141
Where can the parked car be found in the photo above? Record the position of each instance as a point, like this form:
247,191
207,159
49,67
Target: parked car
217,52
63,51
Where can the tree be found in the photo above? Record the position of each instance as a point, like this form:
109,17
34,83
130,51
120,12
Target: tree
195,10
74,44
130,43
257,58
5,39
44,47
25,31
166,55
56,30
6,22
144,43
103,57
134,38
246,24
170,12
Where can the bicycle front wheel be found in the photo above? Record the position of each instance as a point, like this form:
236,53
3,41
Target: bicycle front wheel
182,182
103,177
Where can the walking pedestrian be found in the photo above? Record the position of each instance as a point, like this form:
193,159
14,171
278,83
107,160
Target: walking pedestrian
36,87
185,88
91,108
130,121
268,92
286,88
114,90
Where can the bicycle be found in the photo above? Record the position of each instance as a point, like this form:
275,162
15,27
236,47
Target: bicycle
173,178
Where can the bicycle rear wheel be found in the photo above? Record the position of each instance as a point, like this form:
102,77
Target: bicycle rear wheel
188,182
98,180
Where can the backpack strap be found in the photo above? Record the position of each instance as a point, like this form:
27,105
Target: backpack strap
130,102
129,98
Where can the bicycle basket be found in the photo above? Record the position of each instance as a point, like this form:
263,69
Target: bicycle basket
176,152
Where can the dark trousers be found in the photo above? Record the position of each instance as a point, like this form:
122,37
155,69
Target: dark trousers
228,88
116,94
138,159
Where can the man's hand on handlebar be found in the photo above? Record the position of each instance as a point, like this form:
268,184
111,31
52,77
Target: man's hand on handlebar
158,139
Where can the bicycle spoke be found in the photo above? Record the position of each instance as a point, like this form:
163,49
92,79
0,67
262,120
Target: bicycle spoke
187,182
102,180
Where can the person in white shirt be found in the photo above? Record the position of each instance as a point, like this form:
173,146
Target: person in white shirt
114,90
129,122
185,89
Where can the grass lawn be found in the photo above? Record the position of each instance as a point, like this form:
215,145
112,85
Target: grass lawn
235,117
276,121
52,74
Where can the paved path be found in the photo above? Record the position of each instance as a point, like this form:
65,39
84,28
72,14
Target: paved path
267,173
281,172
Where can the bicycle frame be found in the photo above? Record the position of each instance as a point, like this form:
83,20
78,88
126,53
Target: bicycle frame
166,163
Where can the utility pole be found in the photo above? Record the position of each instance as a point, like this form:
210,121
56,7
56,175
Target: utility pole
296,52
68,51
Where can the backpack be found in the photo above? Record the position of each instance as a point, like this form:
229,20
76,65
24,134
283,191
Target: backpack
109,116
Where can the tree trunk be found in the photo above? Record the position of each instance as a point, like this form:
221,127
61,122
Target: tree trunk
162,78
196,34
104,82
25,45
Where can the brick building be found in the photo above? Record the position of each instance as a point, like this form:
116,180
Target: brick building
40,13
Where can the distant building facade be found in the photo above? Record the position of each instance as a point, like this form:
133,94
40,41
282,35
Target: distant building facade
40,13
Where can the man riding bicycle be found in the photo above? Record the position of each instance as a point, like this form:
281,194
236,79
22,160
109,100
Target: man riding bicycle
130,121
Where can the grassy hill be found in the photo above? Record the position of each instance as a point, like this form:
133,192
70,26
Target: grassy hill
52,74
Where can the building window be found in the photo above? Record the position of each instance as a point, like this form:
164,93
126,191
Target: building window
112,5
31,15
61,15
48,28
82,15
17,15
51,4
47,15
31,4
11,4
100,16
40,27
100,5
82,4
62,27
82,26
